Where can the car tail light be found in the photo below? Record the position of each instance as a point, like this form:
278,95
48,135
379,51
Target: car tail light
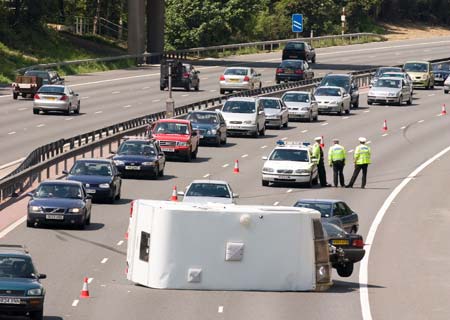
222,78
186,75
246,78
131,208
64,98
358,243
36,97
298,71
280,70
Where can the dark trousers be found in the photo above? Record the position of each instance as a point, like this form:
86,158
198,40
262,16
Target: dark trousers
338,171
322,174
358,168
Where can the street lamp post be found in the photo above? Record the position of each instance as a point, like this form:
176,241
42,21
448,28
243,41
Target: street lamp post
170,103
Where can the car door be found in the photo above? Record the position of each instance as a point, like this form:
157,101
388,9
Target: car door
260,114
116,178
222,126
405,90
161,156
314,105
348,217
73,98
284,112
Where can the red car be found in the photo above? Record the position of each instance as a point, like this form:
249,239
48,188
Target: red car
176,138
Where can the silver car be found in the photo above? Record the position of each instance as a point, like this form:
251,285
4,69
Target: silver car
56,98
204,191
301,105
390,90
276,112
402,75
333,99
239,78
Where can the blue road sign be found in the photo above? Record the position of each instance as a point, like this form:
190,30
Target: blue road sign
297,22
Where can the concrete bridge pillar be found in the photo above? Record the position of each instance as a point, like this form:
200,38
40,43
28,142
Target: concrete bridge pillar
136,27
155,28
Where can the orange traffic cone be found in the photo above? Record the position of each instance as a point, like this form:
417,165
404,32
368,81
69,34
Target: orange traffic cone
174,196
322,144
236,166
385,128
85,290
443,111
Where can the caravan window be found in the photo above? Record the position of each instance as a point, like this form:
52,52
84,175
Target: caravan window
144,248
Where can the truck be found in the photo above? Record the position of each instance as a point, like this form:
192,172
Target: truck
176,138
184,75
213,246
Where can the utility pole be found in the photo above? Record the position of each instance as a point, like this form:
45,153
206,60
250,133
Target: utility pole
170,103
343,20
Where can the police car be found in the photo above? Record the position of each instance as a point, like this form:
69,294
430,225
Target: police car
290,162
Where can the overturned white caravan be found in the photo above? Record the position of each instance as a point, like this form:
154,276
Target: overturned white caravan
226,247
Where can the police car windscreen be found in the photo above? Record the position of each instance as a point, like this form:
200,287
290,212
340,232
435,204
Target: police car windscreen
289,155
208,190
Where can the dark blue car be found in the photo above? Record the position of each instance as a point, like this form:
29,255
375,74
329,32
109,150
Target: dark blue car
100,178
140,157
333,211
21,293
210,125
59,202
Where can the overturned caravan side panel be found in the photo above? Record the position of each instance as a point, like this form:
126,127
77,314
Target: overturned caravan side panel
222,247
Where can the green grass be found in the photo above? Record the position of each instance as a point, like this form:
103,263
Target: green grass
25,48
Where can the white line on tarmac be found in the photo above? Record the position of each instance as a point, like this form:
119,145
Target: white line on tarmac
75,302
156,100
12,132
343,118
90,280
185,95
115,92
402,128
263,147
21,109
104,260
325,124
420,121
366,111
369,142
145,88
205,78
97,112
432,94
276,203
83,98
289,191
220,309
350,151
384,135
285,138
206,175
68,119
244,156
127,106
304,131
12,226
225,165
363,270
40,125
120,243
212,90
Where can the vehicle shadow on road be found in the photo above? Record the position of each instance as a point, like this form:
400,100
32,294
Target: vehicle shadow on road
340,286
209,145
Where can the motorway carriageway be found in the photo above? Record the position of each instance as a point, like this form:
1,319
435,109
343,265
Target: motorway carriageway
112,97
409,259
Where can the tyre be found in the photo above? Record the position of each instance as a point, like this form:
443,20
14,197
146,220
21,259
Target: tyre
35,111
161,88
369,102
197,87
77,110
30,224
256,133
286,124
310,184
340,111
400,100
432,85
161,173
118,196
218,141
188,156
37,315
188,86
409,102
347,111
265,183
224,141
313,60
222,91
15,95
112,198
345,270
194,154
445,91
315,181
67,112
316,118
356,104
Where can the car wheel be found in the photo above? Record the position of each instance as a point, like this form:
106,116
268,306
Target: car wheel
400,100
35,111
310,183
260,86
347,111
67,112
369,102
161,88
37,315
445,91
345,270
30,224
113,197
222,91
188,86
315,181
218,141
197,87
161,173
356,104
194,154
265,183
341,110
256,133
188,156
432,85
77,110
15,95
316,118
409,102
224,141
313,60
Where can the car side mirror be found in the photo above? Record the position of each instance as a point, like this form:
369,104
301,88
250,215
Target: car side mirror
30,194
235,195
42,276
197,71
65,172
194,133
89,197
264,157
180,193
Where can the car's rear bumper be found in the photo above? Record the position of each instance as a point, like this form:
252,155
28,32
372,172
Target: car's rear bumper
235,85
289,77
51,106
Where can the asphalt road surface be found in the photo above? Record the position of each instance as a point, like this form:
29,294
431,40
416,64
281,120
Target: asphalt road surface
115,96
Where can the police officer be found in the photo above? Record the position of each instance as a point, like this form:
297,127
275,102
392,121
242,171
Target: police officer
362,161
336,159
317,156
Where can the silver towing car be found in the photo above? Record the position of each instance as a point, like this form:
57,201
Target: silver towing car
276,112
390,90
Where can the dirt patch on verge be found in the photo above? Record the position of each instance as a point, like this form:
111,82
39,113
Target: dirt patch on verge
408,30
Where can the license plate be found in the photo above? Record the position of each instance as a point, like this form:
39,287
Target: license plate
285,177
132,168
90,190
50,98
54,217
340,242
288,71
233,80
168,149
9,301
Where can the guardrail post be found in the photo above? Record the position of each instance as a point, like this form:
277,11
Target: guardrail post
101,151
65,164
57,168
92,152
48,172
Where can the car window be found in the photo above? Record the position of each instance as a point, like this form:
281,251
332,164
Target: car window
51,89
388,83
202,117
333,230
335,92
58,190
289,155
347,209
208,190
270,104
295,97
239,107
323,208
295,46
336,81
84,168
236,72
340,210
16,267
171,128
141,148
416,67
293,64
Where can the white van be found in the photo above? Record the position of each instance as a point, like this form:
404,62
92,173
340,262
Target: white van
244,115
173,245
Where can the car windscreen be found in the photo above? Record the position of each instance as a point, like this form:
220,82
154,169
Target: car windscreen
205,118
416,67
295,46
85,168
289,155
393,75
441,67
323,208
208,190
137,148
270,104
388,83
52,90
291,64
40,74
239,107
58,190
236,72
328,92
16,267
333,230
295,97
382,71
171,128
333,81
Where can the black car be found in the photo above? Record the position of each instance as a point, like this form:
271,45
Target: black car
299,50
333,211
100,178
345,249
184,75
441,72
137,157
59,202
210,125
382,70
293,70
21,293
346,82
47,76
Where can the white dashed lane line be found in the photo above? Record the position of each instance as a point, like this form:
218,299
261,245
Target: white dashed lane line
325,124
304,131
40,125
90,280
21,109
145,88
276,203
225,165
369,142
213,90
420,121
244,156
432,94
289,191
344,118
350,151
104,260
75,302
127,106
185,95
402,128
366,111
285,138
156,100
68,119
385,134
263,147
83,98
220,309
206,175
12,132
120,243
98,112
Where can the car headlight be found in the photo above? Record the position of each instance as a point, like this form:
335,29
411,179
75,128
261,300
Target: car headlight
182,144
305,109
213,131
301,171
36,209
249,122
104,185
119,162
34,292
266,169
149,163
74,210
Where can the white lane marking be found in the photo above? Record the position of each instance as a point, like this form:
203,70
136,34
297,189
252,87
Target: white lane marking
120,243
75,302
244,156
68,119
212,90
276,203
289,191
83,97
206,175
285,138
343,118
205,78
12,132
402,128
90,280
156,100
145,88
363,270
115,92
220,309
432,94
127,106
420,121
325,124
98,112
384,135
369,142
350,151
40,125
263,147
185,95
366,111
225,165
21,109
12,226
104,260
304,131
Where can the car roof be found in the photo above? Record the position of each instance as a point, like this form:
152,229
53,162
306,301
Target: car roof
175,120
394,72
13,249
391,78
269,98
339,75
417,61
330,87
203,111
210,181
319,200
238,68
301,92
97,160
250,99
63,182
